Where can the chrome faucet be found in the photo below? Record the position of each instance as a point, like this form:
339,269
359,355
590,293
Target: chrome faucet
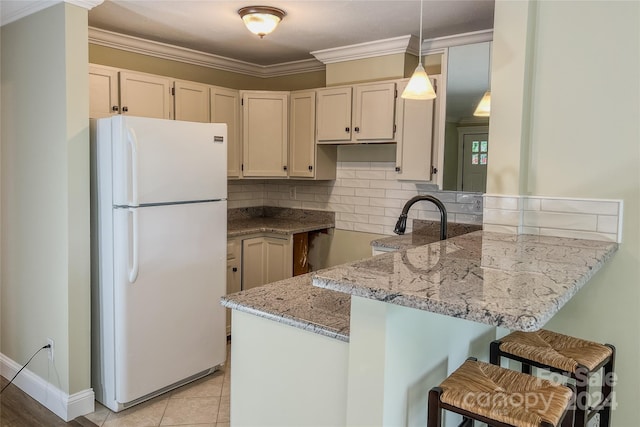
401,225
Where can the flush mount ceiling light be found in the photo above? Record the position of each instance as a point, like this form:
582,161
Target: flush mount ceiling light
419,86
261,20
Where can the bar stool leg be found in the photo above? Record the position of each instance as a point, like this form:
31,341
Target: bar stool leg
582,396
434,416
607,389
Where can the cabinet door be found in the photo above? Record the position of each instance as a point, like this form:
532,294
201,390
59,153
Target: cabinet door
374,112
103,92
191,101
234,275
302,143
265,133
415,138
253,263
145,95
334,114
225,108
278,259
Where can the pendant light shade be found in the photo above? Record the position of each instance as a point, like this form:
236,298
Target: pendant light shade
484,106
261,20
419,86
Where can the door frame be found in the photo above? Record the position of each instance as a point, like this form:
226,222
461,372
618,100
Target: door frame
462,132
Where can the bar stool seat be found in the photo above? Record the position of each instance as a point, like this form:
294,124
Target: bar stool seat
572,357
500,397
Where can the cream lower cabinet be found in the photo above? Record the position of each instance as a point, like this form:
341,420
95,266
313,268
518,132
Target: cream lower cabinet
265,260
265,134
234,272
306,158
416,136
225,108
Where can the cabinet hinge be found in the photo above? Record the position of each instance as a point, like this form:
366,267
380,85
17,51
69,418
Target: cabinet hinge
394,128
395,95
173,91
242,167
241,101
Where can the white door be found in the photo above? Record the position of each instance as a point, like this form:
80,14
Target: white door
169,324
160,161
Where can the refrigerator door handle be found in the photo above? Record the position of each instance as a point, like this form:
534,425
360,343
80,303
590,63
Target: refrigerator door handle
132,139
133,272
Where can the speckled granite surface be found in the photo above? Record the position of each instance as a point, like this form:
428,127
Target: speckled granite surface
514,281
297,303
424,232
243,221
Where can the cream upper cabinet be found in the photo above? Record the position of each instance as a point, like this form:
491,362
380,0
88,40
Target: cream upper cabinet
103,91
414,151
308,160
266,260
225,108
265,133
374,112
334,114
191,101
146,95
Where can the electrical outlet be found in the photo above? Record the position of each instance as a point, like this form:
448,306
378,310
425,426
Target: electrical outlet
477,205
292,193
50,349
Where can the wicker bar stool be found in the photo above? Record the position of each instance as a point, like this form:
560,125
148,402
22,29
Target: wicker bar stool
572,357
500,397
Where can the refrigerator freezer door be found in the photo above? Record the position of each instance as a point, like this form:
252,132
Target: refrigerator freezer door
169,324
164,161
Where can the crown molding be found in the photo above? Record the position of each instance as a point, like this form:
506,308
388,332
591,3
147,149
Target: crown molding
352,52
10,12
439,43
189,56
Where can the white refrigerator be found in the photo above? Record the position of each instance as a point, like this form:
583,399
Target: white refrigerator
159,228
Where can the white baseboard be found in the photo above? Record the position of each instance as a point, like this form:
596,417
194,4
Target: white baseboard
57,401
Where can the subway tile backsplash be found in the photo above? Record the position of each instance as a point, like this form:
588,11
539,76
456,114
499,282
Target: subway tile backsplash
366,196
554,216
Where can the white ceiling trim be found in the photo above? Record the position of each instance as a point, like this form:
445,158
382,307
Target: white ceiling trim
20,9
394,45
457,40
189,56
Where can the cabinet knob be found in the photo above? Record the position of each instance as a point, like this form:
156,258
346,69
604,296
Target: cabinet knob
357,129
125,109
234,269
397,168
115,108
284,167
346,129
310,167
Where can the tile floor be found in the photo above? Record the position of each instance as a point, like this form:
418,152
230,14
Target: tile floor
202,403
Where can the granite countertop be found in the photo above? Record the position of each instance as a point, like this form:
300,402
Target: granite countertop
514,281
424,232
285,221
297,303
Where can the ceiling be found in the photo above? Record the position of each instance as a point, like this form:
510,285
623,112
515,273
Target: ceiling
215,27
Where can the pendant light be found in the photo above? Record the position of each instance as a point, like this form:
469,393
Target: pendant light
261,20
419,86
484,106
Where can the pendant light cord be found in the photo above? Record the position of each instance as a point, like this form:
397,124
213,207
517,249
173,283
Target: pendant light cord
420,40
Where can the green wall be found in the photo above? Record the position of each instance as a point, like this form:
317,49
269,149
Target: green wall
45,194
575,141
148,64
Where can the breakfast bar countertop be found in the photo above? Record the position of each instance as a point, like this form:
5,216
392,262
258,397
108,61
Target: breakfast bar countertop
513,281
295,302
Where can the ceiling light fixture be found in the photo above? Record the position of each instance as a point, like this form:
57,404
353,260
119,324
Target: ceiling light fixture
419,86
261,20
484,106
